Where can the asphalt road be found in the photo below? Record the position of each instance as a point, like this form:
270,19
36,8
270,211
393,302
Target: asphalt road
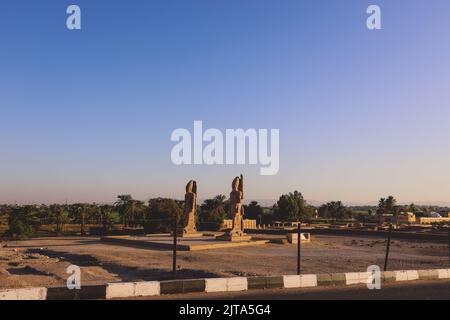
418,290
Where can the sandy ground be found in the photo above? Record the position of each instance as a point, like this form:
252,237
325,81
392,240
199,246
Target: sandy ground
43,262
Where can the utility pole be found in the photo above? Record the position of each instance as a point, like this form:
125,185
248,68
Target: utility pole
388,247
175,234
299,241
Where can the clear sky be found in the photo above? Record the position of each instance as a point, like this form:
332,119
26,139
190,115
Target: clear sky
86,115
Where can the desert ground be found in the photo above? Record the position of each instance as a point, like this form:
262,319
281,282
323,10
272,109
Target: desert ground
43,261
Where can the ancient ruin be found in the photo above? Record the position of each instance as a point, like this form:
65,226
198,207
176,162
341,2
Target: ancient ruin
188,220
236,212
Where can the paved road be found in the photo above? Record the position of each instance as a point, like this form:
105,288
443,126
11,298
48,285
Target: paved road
403,291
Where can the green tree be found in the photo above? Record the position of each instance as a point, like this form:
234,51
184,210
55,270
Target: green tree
79,213
23,221
59,216
253,211
293,207
107,217
212,212
334,210
132,211
162,214
413,208
390,205
387,206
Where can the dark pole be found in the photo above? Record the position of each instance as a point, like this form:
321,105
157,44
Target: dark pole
175,234
388,247
299,241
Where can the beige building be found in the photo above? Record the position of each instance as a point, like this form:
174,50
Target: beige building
411,218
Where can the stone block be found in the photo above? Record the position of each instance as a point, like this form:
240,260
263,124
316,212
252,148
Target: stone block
291,282
406,275
257,283
120,290
308,281
338,279
428,274
237,284
443,273
293,237
388,276
216,285
85,293
324,280
193,286
147,289
275,282
171,287
24,294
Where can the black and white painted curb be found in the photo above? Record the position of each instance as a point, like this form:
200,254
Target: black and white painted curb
156,288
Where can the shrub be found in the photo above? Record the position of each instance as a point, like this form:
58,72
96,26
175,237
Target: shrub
23,221
18,229
211,220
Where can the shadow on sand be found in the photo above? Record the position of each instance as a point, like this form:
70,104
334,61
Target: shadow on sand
125,273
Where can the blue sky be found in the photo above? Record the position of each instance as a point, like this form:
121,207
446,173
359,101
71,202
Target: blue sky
86,115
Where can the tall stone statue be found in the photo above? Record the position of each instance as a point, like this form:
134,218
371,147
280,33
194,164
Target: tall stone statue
236,212
190,210
237,206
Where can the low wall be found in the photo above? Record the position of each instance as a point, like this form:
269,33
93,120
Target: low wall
155,288
248,224
355,232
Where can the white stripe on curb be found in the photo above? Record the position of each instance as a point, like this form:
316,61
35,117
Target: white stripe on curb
406,275
237,284
356,278
226,284
444,273
132,289
302,281
216,285
146,289
24,294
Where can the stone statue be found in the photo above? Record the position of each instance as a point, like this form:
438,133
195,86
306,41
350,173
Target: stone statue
237,213
190,209
237,206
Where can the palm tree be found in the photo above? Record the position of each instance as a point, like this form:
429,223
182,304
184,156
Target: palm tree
413,208
81,210
105,216
129,209
390,205
387,206
59,216
381,206
123,205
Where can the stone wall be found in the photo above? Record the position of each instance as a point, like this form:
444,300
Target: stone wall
248,224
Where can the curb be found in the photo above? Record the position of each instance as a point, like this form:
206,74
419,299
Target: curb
24,294
156,288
